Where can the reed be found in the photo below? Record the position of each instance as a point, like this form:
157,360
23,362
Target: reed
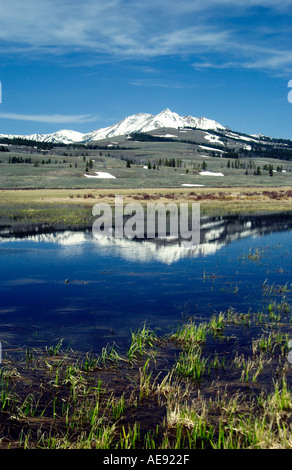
141,339
191,364
190,334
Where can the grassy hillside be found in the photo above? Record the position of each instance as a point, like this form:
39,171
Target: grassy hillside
173,164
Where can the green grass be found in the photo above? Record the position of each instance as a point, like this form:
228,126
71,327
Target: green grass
191,364
190,334
67,171
141,339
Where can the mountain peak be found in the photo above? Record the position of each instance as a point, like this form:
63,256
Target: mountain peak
166,111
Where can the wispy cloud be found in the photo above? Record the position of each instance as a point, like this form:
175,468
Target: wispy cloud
168,84
246,56
50,118
126,29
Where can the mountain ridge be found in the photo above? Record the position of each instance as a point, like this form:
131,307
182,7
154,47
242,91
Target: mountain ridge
140,122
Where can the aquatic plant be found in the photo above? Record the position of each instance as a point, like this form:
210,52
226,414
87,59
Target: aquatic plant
141,339
189,334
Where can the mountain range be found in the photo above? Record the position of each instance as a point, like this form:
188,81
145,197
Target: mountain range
140,122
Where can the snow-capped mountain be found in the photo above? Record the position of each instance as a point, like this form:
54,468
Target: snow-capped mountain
147,122
140,122
64,136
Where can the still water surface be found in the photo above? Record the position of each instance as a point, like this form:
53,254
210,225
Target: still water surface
90,292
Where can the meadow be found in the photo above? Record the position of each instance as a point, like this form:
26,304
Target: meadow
66,168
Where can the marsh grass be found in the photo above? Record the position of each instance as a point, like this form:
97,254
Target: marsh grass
54,350
109,357
270,289
141,340
61,207
191,364
191,389
271,341
190,334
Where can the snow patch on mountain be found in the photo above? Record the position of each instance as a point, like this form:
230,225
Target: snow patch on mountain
213,139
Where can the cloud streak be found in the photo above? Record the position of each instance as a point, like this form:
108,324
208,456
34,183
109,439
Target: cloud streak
167,84
52,118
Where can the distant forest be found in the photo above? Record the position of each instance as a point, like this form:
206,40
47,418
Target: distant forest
19,141
269,149
27,143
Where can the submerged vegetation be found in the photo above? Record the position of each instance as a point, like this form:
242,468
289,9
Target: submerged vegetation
220,383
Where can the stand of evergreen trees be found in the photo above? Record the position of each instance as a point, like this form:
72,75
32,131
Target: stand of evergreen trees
19,160
175,163
141,137
27,143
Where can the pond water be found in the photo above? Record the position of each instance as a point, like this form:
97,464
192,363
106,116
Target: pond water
93,291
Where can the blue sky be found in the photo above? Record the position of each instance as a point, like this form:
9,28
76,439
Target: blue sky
86,65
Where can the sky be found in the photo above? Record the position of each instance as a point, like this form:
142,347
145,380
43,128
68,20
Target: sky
87,65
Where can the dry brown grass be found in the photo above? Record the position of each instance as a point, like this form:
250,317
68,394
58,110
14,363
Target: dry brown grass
231,200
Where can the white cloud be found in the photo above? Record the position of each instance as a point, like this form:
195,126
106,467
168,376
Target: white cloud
120,29
50,118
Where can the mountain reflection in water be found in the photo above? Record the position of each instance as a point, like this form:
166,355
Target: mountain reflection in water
215,233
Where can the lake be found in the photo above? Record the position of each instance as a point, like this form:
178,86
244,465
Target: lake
90,291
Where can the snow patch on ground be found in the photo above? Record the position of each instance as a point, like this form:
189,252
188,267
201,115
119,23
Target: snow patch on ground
112,144
210,173
210,148
100,174
190,184
166,135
